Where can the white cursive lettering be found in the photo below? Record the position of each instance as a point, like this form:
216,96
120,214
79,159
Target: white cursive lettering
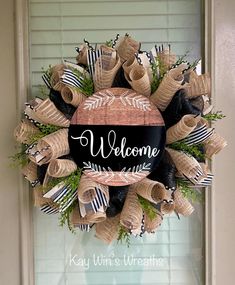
123,151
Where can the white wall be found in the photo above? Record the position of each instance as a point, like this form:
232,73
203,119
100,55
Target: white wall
9,205
225,162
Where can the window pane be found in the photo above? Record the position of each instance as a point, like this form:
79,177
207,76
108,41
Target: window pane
174,255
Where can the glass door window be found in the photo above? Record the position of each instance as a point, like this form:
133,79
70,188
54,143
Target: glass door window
174,254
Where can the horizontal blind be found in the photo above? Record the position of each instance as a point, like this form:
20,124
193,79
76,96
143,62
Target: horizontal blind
174,254
57,27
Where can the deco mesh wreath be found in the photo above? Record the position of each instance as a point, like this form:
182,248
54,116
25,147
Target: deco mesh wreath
121,140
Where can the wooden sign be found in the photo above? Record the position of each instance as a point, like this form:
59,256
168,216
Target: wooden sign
117,136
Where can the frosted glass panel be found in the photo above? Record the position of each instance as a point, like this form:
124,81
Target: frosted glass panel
174,255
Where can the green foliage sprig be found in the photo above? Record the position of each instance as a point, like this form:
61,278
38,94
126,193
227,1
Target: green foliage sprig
148,208
123,236
44,131
20,158
48,129
109,43
43,90
158,71
188,192
213,117
72,181
48,71
194,150
65,217
87,87
181,59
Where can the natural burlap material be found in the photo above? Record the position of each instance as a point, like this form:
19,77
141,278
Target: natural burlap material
151,190
87,189
106,68
108,229
25,132
72,95
182,205
170,84
61,167
182,129
132,213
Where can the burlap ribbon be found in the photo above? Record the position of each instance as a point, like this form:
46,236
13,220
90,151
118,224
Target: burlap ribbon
198,85
30,171
106,68
25,132
132,213
182,129
151,190
108,229
47,112
139,80
40,201
87,189
167,207
127,47
52,146
82,55
186,164
166,58
214,144
90,218
72,96
182,205
61,167
170,84
130,64
57,72
150,225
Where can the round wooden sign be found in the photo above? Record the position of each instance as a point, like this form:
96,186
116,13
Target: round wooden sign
117,136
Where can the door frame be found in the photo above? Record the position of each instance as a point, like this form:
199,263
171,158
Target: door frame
25,193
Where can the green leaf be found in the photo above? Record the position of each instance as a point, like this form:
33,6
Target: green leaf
123,236
188,192
109,43
65,217
87,83
148,208
194,150
19,159
213,117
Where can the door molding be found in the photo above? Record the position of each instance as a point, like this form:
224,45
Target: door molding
209,66
25,197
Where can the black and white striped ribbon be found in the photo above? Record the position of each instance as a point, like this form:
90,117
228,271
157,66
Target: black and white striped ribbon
71,78
68,202
198,135
207,181
49,210
46,79
99,201
84,228
92,56
64,191
201,182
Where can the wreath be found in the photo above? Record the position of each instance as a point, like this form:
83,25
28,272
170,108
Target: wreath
121,138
